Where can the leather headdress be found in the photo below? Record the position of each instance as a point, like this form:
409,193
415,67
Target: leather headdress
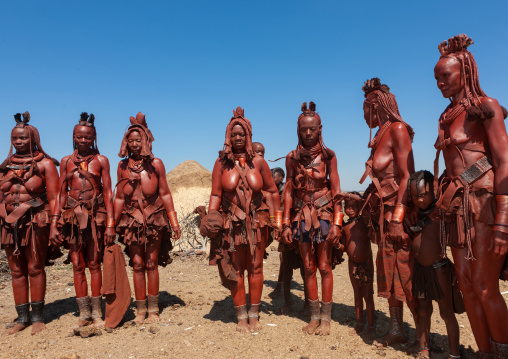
456,47
380,95
238,119
138,124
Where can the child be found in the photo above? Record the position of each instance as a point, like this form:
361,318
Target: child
361,266
433,274
290,259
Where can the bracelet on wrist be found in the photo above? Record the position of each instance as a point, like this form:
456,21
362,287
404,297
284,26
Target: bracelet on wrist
338,218
110,223
399,212
173,220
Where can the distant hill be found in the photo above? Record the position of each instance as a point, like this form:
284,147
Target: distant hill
189,174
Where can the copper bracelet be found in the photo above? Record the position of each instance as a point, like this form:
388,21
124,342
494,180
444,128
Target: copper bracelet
278,219
500,228
337,218
502,202
399,212
173,220
501,218
55,217
110,223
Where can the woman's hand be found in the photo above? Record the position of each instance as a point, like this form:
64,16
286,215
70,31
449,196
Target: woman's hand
334,235
54,235
287,236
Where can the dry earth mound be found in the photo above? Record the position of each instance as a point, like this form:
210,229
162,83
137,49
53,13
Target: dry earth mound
190,184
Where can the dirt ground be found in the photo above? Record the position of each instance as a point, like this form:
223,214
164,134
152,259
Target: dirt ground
198,320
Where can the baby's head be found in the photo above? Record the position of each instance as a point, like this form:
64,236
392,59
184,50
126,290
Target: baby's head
421,189
352,207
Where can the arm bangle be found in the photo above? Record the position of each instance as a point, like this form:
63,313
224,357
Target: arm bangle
173,220
337,218
399,212
278,218
110,223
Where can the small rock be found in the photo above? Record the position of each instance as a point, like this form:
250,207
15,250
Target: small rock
71,356
154,330
86,332
108,330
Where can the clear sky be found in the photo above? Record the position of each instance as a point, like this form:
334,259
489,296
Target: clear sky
188,63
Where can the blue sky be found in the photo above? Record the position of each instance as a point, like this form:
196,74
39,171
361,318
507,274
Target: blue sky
187,64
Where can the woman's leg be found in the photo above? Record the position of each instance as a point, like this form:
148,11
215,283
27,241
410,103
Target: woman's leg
474,309
19,274
137,254
310,266
37,276
324,256
485,272
255,273
239,260
152,274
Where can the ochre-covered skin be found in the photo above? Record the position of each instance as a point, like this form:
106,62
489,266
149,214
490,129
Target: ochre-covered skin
236,157
85,247
355,237
433,274
142,183
27,258
389,166
312,175
478,130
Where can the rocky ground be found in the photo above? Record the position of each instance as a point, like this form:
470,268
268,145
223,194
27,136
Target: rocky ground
198,320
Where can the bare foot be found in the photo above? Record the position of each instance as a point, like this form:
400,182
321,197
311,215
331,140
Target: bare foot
311,327
324,328
414,348
38,327
80,323
98,323
422,354
254,325
16,328
389,339
140,318
358,328
242,326
153,317
371,333
286,309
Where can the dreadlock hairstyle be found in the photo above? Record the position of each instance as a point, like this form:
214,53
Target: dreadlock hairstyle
88,121
226,155
35,140
378,95
418,176
302,153
456,47
138,124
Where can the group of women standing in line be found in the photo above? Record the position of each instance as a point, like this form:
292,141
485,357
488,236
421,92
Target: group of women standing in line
79,209
471,206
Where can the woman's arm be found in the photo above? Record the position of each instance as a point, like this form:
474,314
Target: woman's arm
166,198
216,195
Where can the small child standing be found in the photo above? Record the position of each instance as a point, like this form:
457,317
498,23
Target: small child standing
361,266
433,274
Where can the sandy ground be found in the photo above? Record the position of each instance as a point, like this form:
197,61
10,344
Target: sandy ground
198,320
